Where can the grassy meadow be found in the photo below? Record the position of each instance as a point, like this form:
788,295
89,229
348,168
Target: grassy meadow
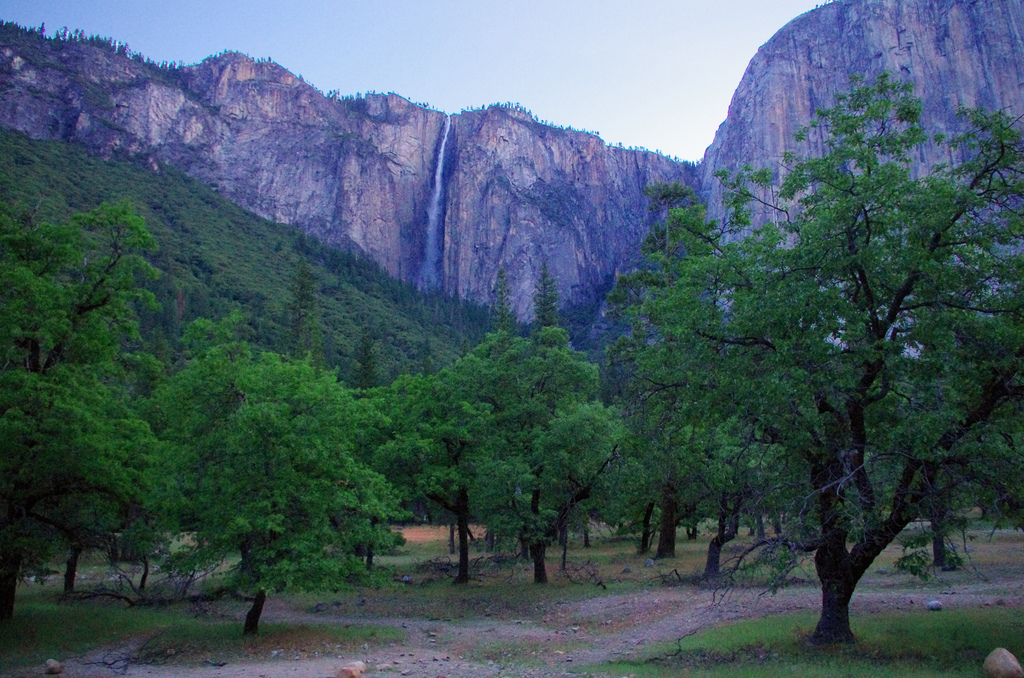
605,593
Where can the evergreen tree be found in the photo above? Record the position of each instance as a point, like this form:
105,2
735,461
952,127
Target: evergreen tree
366,362
426,358
305,312
545,300
502,317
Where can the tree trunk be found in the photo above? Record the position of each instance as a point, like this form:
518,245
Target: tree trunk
10,566
834,623
728,528
565,549
691,532
451,539
252,618
462,526
586,537
645,535
938,547
145,574
667,528
71,569
712,566
369,558
837,584
540,573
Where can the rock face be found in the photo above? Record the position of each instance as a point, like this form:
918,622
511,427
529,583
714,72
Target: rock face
522,194
955,52
354,172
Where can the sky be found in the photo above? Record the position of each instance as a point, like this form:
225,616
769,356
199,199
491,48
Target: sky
656,74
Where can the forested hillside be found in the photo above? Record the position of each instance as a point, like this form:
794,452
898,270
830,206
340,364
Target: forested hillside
215,257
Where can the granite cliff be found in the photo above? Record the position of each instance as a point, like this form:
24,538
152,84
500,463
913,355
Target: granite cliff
358,173
363,172
955,53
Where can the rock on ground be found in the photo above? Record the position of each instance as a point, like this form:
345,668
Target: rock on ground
1001,663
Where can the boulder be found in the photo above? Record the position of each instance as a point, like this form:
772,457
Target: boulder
352,670
1001,663
53,667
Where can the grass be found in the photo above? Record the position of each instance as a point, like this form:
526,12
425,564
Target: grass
43,629
950,643
892,643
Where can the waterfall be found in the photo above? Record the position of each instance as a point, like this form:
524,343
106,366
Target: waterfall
430,271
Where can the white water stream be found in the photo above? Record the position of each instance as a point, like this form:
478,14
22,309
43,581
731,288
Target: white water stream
430,271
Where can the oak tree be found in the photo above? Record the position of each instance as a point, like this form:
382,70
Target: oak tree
260,451
874,333
69,437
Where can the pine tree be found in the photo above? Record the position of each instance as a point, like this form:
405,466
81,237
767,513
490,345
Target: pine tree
502,318
426,358
366,362
305,312
545,300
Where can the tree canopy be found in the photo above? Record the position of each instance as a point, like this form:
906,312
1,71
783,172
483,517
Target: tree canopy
873,334
67,295
262,452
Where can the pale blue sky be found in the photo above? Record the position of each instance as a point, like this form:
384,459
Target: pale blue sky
651,73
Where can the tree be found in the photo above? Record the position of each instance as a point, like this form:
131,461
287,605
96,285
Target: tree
545,300
551,440
261,449
305,312
365,376
440,439
874,335
503,319
67,294
700,463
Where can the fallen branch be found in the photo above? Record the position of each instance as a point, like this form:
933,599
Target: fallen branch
585,573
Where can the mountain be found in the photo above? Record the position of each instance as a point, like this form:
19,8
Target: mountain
955,53
355,172
215,257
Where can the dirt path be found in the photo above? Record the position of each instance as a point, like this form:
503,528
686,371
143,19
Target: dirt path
567,640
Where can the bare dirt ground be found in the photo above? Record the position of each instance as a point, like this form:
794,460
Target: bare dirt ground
570,638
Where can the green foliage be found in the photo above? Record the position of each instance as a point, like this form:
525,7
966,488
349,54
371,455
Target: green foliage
366,363
215,258
874,334
305,311
259,450
550,440
71,441
545,300
503,319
